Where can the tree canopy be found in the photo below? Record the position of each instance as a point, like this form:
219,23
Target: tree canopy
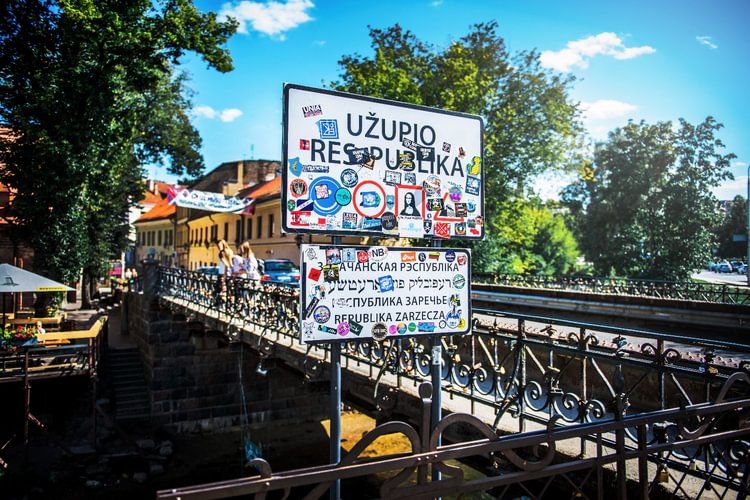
530,123
733,223
88,94
644,207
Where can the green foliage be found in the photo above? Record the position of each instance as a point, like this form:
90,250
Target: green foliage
644,207
530,126
733,222
89,94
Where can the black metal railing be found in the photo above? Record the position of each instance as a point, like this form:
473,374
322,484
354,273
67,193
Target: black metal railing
517,371
678,290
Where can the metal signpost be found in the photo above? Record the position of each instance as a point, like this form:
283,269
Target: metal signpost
360,166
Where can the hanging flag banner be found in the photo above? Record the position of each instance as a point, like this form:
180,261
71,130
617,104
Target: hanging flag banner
211,202
361,293
356,165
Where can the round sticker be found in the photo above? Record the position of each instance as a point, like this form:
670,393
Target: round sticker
455,193
343,329
349,178
369,199
321,314
322,193
412,327
422,256
402,328
379,331
450,256
389,221
298,187
459,281
343,196
392,329
431,185
290,205
453,318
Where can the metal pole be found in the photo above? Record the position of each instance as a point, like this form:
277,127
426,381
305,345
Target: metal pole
335,406
436,376
747,267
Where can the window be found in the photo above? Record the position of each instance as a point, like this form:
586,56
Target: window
270,225
226,231
249,229
158,238
215,232
259,232
237,231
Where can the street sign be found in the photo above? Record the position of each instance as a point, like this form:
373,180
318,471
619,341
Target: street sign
357,165
374,292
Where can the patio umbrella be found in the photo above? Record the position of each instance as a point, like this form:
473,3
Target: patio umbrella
14,279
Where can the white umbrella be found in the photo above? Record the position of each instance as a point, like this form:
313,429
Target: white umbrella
14,279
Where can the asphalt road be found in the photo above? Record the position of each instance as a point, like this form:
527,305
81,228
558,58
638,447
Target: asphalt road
722,278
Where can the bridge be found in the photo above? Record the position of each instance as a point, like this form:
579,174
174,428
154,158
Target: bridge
542,402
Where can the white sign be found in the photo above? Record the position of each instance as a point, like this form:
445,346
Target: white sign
355,165
359,292
212,202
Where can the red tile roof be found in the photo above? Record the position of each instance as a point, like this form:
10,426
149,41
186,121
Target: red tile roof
262,191
162,210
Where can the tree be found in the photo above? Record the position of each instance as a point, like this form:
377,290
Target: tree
732,223
89,93
644,205
530,124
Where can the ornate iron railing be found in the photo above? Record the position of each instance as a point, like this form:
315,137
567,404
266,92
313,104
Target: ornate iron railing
678,290
518,372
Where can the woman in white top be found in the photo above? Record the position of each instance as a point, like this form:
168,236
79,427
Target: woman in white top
250,263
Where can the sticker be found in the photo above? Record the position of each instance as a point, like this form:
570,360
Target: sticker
455,300
349,220
471,206
327,329
307,329
389,221
304,145
473,185
442,230
313,110
459,228
290,205
295,167
343,196
431,185
298,187
318,169
369,199
455,193
406,161
304,205
322,314
379,331
461,260
409,205
300,218
401,328
311,307
362,256
475,167
311,254
390,201
425,154
410,178
459,281
331,273
461,152
371,224
452,318
355,327
392,329
450,256
392,178
426,326
386,283
329,129
422,257
479,220
408,256
446,147
434,256
343,328
427,224
349,255
409,144
322,192
359,156
349,178
314,274
412,327
333,256
377,253
461,210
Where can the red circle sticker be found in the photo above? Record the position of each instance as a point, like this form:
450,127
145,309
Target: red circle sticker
369,199
298,187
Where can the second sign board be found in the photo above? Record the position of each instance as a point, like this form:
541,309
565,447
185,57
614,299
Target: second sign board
359,292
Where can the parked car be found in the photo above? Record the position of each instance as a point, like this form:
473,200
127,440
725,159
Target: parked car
742,268
725,267
279,271
211,271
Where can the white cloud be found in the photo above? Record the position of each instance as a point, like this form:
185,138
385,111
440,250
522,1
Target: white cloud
226,115
707,41
578,52
605,109
271,18
229,115
729,189
739,164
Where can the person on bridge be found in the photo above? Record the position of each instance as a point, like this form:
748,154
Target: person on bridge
250,263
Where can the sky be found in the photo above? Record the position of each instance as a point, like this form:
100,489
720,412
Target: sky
641,60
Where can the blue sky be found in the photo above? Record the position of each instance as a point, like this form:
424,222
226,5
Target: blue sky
650,60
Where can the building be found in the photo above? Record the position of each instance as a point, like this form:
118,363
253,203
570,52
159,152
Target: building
154,234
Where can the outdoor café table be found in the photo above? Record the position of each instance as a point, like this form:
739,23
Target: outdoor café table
50,323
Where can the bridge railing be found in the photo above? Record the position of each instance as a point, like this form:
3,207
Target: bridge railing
516,371
661,289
